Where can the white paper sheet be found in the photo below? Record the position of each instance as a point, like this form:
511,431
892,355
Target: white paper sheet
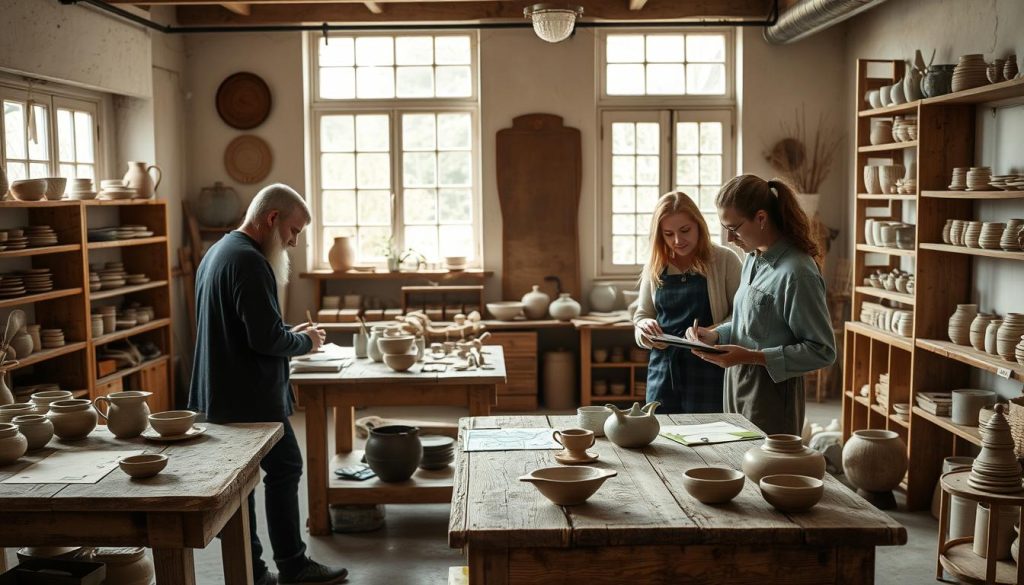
707,433
72,467
509,440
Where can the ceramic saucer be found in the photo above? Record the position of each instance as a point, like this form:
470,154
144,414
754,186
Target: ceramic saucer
565,458
152,435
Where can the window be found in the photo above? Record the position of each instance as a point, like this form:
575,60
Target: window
396,145
666,124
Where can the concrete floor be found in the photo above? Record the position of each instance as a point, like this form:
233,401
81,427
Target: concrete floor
412,548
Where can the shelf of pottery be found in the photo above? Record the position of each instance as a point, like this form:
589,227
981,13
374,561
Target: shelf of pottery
613,368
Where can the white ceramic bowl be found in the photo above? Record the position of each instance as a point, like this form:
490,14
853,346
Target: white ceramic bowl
55,187
505,310
29,189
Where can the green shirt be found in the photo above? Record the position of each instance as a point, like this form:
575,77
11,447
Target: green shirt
780,309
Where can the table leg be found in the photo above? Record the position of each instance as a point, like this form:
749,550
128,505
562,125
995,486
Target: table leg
3,559
316,459
235,547
174,566
344,429
480,399
855,565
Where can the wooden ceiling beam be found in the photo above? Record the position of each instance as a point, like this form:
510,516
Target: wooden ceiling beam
637,4
238,8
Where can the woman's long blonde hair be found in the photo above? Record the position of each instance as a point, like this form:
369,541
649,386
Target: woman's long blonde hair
670,204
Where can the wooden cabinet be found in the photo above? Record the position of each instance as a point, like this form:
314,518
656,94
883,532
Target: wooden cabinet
519,392
154,378
632,375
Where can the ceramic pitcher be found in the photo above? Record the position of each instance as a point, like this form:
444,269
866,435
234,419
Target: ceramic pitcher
127,413
633,428
138,178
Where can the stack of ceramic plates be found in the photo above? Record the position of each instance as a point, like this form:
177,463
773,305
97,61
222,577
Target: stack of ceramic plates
116,189
991,232
1010,241
969,73
972,234
978,179
16,240
40,235
81,189
438,451
1016,184
959,182
52,338
38,280
137,279
94,282
1001,181
11,285
996,468
112,278
102,234
137,231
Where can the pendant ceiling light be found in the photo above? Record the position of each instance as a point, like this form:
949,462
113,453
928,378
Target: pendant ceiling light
551,22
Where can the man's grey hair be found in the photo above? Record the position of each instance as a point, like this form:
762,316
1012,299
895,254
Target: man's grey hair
277,197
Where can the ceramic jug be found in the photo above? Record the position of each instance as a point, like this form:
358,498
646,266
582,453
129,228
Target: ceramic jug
72,419
633,428
342,255
783,454
127,412
372,348
535,303
12,443
138,178
564,308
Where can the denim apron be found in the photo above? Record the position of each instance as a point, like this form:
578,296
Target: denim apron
679,380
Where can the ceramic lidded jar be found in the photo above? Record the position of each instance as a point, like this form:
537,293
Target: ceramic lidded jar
783,454
342,254
564,308
38,430
875,460
394,452
127,412
633,428
1010,68
72,419
535,303
12,443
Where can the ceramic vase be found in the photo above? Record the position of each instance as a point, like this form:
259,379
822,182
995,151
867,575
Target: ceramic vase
1007,515
871,184
138,178
912,84
564,308
394,452
1010,68
875,461
127,413
938,80
219,206
535,303
990,336
959,324
896,96
6,396
36,428
72,419
125,566
22,343
603,297
342,254
785,454
1009,334
12,444
881,132
633,428
978,326
359,344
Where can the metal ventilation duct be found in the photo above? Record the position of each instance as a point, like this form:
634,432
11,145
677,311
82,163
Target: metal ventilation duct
807,17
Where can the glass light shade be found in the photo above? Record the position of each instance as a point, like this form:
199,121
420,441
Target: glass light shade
553,23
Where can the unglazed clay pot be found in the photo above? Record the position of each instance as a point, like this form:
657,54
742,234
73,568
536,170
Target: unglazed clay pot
393,452
72,419
875,460
603,297
568,486
535,303
125,566
342,254
127,413
564,308
632,429
44,399
36,428
12,443
783,454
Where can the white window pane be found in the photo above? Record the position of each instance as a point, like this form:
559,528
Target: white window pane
711,138
687,137
374,207
16,171
454,81
707,48
337,134
625,49
686,170
419,169
415,82
623,170
372,133
420,206
707,201
65,136
329,234
623,250
665,49
67,171
418,132
647,170
423,239
337,83
38,170
643,224
704,79
337,171
623,138
337,52
714,225
14,129
373,242
623,199
375,82
375,51
711,170
647,198
373,170
339,207
455,168
456,206
84,127
38,149
666,79
648,138
457,240
454,131
452,50
414,51
625,80
643,249
623,223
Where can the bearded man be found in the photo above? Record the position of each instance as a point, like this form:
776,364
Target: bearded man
240,370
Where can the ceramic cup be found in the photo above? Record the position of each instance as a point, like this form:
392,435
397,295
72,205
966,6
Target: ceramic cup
592,418
574,440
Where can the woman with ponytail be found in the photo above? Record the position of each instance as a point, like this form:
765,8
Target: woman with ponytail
780,327
687,278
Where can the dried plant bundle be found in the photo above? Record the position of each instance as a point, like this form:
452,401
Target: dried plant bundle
807,165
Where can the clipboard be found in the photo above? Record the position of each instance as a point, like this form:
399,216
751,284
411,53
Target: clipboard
685,343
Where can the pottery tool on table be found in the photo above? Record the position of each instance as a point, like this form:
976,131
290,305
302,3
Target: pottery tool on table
309,318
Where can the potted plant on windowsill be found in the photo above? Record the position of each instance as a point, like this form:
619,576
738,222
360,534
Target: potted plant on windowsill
804,163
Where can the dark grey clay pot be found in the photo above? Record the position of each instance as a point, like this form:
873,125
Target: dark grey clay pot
938,80
394,452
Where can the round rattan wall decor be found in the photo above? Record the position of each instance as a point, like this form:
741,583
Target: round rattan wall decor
248,159
243,100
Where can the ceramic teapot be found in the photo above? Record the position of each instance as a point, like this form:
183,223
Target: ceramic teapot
633,428
127,413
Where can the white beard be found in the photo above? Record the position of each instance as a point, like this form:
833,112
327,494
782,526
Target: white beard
278,257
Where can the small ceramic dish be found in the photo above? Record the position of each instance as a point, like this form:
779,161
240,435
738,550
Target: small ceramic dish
400,362
713,485
792,493
568,486
172,422
143,466
505,310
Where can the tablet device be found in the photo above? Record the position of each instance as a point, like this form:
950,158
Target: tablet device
680,342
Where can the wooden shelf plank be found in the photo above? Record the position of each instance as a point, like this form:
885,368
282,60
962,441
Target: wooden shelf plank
891,147
1005,90
891,295
884,250
886,111
357,275
881,335
862,400
899,421
425,486
120,202
972,251
878,408
46,354
883,197
491,325
45,203
151,326
970,434
974,194
46,296
124,290
129,371
126,243
967,567
972,357
60,249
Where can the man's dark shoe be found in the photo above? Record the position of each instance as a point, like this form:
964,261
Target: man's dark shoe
313,573
268,578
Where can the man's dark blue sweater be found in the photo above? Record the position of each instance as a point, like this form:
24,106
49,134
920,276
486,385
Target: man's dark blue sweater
240,370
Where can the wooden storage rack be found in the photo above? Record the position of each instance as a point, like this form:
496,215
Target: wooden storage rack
598,336
927,361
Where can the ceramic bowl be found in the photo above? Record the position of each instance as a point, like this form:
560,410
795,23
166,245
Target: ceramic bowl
142,466
172,422
505,310
792,493
29,189
55,187
713,485
457,262
398,344
400,362
568,486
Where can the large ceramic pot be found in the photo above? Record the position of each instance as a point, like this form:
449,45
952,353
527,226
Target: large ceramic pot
219,206
394,452
603,297
938,80
125,566
36,428
875,460
12,443
960,323
632,429
72,419
783,454
535,303
342,254
564,308
127,412
138,178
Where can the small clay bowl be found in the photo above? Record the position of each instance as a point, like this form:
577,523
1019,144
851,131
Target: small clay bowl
142,466
400,362
792,493
713,485
172,422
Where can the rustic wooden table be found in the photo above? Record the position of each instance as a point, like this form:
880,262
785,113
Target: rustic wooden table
643,527
202,492
368,383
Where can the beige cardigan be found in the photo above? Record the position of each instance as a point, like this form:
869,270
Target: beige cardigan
723,280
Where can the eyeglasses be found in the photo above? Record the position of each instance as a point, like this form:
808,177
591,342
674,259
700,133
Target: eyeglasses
732,230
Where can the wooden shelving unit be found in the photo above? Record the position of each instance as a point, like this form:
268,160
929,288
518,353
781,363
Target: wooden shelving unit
606,336
926,362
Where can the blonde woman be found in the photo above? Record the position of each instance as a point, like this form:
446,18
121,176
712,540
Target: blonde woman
686,279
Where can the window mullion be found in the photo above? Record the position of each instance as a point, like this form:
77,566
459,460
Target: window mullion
397,188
